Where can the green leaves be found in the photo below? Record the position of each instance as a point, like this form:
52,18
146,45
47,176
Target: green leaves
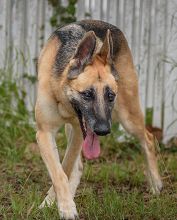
63,14
15,128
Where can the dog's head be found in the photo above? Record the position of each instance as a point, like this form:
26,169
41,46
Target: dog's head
92,84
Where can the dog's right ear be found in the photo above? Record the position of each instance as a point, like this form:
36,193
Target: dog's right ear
83,55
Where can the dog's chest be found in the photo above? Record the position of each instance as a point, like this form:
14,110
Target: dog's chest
65,112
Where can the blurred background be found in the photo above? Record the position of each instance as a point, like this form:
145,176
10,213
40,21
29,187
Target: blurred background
149,25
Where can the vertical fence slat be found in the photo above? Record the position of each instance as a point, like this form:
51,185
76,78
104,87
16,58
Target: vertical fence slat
121,14
159,70
151,56
112,11
2,32
18,36
40,25
96,9
128,16
80,10
135,31
8,33
31,35
47,25
170,107
31,51
143,53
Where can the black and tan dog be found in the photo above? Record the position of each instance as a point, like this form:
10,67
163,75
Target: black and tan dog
86,79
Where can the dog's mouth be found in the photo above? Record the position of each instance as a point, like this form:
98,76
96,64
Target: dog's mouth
91,143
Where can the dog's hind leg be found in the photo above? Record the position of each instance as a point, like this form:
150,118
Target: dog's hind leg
135,126
130,116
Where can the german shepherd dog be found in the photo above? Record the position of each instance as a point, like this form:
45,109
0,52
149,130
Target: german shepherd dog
86,79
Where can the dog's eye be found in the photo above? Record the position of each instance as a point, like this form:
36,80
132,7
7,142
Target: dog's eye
88,95
111,96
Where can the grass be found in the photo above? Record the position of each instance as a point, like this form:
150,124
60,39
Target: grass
112,187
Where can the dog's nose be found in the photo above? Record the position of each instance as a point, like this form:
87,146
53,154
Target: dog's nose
102,128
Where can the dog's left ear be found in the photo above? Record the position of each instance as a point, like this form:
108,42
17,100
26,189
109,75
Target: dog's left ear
106,51
83,54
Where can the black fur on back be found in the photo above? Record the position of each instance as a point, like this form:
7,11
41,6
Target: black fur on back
71,34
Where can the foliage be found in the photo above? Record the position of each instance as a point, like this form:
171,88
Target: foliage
14,116
149,116
62,14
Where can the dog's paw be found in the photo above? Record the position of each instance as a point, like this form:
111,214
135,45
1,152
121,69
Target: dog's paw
156,184
68,211
48,201
157,187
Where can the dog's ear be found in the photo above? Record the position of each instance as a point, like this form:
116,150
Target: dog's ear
106,51
83,54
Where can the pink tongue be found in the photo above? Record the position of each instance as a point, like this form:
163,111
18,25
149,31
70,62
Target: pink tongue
91,145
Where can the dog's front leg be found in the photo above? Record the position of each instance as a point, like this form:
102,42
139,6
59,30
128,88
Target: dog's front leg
72,164
49,153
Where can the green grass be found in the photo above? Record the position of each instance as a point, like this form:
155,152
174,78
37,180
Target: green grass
112,187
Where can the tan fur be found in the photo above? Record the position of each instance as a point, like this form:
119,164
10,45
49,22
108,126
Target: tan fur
53,110
96,73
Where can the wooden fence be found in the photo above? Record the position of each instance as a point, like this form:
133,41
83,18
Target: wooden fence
149,25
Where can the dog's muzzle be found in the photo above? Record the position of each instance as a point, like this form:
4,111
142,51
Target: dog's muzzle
102,128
